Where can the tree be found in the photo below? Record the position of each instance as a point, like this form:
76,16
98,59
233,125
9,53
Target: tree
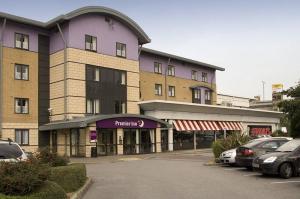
291,108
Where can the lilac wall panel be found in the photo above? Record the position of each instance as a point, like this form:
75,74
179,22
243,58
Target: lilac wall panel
181,70
12,28
107,35
56,42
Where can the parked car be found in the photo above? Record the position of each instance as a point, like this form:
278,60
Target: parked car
11,151
247,153
228,157
285,161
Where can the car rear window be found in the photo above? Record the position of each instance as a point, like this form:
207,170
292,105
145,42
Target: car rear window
9,151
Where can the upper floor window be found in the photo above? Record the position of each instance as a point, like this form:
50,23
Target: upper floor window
90,43
207,97
93,106
123,78
194,75
120,107
204,77
22,136
171,70
197,94
157,67
21,105
171,91
121,50
21,72
22,41
158,89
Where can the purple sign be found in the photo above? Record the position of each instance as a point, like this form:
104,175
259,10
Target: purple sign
127,122
93,135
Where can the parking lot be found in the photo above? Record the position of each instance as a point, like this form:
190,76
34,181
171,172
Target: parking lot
182,176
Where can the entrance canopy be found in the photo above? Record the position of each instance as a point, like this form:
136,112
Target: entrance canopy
108,121
200,125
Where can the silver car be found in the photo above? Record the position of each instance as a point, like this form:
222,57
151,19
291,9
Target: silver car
11,152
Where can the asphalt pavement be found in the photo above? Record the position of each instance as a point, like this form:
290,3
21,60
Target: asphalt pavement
181,176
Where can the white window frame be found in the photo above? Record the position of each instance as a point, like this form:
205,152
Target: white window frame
21,41
21,109
91,43
23,74
22,136
158,89
121,50
171,91
157,68
171,70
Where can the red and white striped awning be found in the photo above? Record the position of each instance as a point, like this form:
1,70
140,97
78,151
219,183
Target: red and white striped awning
231,126
200,125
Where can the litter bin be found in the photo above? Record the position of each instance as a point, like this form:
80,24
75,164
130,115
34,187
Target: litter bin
94,152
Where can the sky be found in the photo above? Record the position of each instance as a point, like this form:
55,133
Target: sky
255,41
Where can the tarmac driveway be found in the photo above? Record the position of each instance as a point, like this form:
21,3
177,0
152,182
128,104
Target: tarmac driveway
180,176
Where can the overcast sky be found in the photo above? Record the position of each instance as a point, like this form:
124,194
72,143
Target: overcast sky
253,40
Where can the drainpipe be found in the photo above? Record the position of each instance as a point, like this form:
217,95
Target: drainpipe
65,71
169,60
1,71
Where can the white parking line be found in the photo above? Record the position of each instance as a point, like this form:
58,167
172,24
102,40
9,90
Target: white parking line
253,174
234,169
285,182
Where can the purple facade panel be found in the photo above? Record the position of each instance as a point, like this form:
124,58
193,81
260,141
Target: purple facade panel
57,42
107,33
182,70
12,28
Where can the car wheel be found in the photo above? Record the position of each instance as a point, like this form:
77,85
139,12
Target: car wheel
286,170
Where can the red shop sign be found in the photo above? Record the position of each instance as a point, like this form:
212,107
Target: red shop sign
260,130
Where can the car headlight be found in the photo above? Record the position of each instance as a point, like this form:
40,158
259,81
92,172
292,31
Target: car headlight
270,159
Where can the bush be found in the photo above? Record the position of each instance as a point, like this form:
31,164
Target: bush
54,160
20,178
279,133
49,190
232,141
70,177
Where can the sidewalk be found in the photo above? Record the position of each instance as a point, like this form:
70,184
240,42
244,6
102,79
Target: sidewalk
114,158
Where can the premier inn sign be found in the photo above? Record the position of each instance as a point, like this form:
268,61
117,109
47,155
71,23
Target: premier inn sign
127,122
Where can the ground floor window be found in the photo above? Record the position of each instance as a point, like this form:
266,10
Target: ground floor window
22,136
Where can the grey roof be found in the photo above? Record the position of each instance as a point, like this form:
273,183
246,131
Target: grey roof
143,37
156,52
82,122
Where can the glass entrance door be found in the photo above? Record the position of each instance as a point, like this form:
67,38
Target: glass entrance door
74,142
147,141
130,145
107,142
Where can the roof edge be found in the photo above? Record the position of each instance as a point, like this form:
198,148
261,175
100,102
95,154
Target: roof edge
164,54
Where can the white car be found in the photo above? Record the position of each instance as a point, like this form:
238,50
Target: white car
11,152
228,157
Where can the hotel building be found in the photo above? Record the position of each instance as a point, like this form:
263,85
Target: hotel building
83,84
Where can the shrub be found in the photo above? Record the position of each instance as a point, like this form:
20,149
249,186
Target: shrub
232,141
45,156
70,177
22,177
279,133
49,190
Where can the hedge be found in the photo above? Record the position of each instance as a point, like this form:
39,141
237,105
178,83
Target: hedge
70,177
50,190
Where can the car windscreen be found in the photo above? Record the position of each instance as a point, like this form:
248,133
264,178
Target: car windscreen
8,151
289,146
253,143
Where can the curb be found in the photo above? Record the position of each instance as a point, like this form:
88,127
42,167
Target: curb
80,193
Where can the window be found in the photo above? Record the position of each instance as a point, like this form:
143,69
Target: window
123,78
171,70
120,107
270,145
158,88
97,74
90,43
171,91
22,136
21,72
22,41
21,105
194,75
157,68
197,94
204,77
207,95
93,106
121,50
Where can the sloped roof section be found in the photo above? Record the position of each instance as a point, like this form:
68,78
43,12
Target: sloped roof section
142,36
